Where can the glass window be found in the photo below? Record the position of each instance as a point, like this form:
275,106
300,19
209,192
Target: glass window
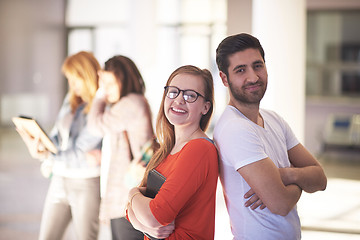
333,54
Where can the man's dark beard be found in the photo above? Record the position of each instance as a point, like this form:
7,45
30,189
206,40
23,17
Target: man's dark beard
249,100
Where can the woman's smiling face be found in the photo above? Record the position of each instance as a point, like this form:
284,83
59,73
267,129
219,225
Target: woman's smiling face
180,112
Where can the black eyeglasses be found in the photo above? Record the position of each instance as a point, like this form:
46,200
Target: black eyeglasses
189,96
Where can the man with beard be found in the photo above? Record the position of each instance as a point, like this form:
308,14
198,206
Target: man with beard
263,167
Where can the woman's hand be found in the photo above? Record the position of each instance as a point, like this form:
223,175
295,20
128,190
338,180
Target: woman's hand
93,157
134,191
160,232
142,219
35,146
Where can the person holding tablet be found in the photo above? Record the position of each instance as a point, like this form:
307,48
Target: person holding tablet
74,191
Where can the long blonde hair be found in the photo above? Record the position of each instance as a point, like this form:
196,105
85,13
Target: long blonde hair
82,65
165,130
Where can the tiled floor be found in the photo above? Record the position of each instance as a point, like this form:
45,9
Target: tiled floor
329,215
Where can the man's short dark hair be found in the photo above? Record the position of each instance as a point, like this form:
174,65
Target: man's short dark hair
233,44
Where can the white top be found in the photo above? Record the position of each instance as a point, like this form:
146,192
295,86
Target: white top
241,142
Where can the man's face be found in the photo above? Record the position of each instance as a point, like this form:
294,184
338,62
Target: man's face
247,79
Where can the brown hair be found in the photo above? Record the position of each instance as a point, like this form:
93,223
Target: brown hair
84,66
165,130
233,44
127,75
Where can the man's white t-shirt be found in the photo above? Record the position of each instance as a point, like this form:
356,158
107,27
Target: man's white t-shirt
241,142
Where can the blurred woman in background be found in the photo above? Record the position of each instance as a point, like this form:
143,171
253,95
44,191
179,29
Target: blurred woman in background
121,114
74,192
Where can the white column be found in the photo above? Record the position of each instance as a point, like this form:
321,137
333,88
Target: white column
239,14
280,25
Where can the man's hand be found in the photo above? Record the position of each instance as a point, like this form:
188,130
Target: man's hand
264,178
306,172
254,201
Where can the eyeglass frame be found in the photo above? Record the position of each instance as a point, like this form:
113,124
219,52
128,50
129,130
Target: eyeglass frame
183,91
